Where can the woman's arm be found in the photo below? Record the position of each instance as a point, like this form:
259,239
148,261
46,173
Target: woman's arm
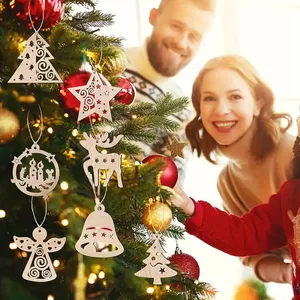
255,232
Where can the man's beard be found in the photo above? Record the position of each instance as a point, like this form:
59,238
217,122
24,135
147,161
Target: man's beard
161,63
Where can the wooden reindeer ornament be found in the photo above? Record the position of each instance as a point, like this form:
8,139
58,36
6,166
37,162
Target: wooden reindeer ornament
101,161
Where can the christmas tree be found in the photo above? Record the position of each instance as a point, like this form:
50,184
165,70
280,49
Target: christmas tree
100,255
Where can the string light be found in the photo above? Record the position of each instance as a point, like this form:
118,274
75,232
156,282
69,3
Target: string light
2,213
65,222
134,116
93,276
66,115
104,283
137,163
50,130
56,263
13,246
50,297
150,290
64,185
74,132
78,211
104,151
167,287
24,254
101,275
196,282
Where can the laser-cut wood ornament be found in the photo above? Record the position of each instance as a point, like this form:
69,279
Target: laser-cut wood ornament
156,263
101,161
35,66
98,237
39,267
94,97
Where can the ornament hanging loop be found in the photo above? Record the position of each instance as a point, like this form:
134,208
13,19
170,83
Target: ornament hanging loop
45,198
30,17
41,129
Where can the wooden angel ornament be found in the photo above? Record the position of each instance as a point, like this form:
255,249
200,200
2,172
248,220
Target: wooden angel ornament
39,267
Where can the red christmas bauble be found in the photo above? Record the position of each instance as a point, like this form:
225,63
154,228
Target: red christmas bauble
187,264
127,94
70,103
169,174
54,10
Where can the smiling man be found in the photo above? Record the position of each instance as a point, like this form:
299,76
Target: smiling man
178,29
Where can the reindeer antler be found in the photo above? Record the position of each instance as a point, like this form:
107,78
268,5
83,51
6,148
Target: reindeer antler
108,143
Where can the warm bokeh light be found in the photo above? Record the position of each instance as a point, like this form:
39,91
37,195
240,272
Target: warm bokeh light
150,290
65,222
74,132
56,263
2,213
50,297
101,275
50,130
13,246
93,276
64,185
91,280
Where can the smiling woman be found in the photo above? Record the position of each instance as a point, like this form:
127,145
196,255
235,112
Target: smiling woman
235,117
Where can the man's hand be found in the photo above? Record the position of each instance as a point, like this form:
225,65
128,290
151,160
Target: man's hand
273,269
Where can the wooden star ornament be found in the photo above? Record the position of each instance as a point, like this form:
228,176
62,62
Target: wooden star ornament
94,97
176,147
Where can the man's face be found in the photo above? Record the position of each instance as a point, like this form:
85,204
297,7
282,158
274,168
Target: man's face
176,36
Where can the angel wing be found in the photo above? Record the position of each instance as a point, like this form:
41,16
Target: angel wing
54,244
24,243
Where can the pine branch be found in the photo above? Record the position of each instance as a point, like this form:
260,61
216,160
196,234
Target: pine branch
88,21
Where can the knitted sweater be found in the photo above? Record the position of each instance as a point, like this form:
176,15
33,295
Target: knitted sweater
245,183
150,86
265,227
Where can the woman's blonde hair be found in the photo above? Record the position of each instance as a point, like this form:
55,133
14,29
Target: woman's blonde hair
269,127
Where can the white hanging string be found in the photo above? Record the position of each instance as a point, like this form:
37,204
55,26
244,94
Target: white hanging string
40,129
46,210
43,15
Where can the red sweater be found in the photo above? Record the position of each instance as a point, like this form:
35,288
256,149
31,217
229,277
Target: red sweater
265,227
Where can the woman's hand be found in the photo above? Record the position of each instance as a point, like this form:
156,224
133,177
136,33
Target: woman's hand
181,200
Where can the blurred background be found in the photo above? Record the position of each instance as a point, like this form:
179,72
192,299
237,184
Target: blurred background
267,33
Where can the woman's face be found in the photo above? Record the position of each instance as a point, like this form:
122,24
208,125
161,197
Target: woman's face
227,105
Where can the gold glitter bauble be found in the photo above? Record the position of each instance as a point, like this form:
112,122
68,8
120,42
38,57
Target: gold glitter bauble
115,66
9,125
157,216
